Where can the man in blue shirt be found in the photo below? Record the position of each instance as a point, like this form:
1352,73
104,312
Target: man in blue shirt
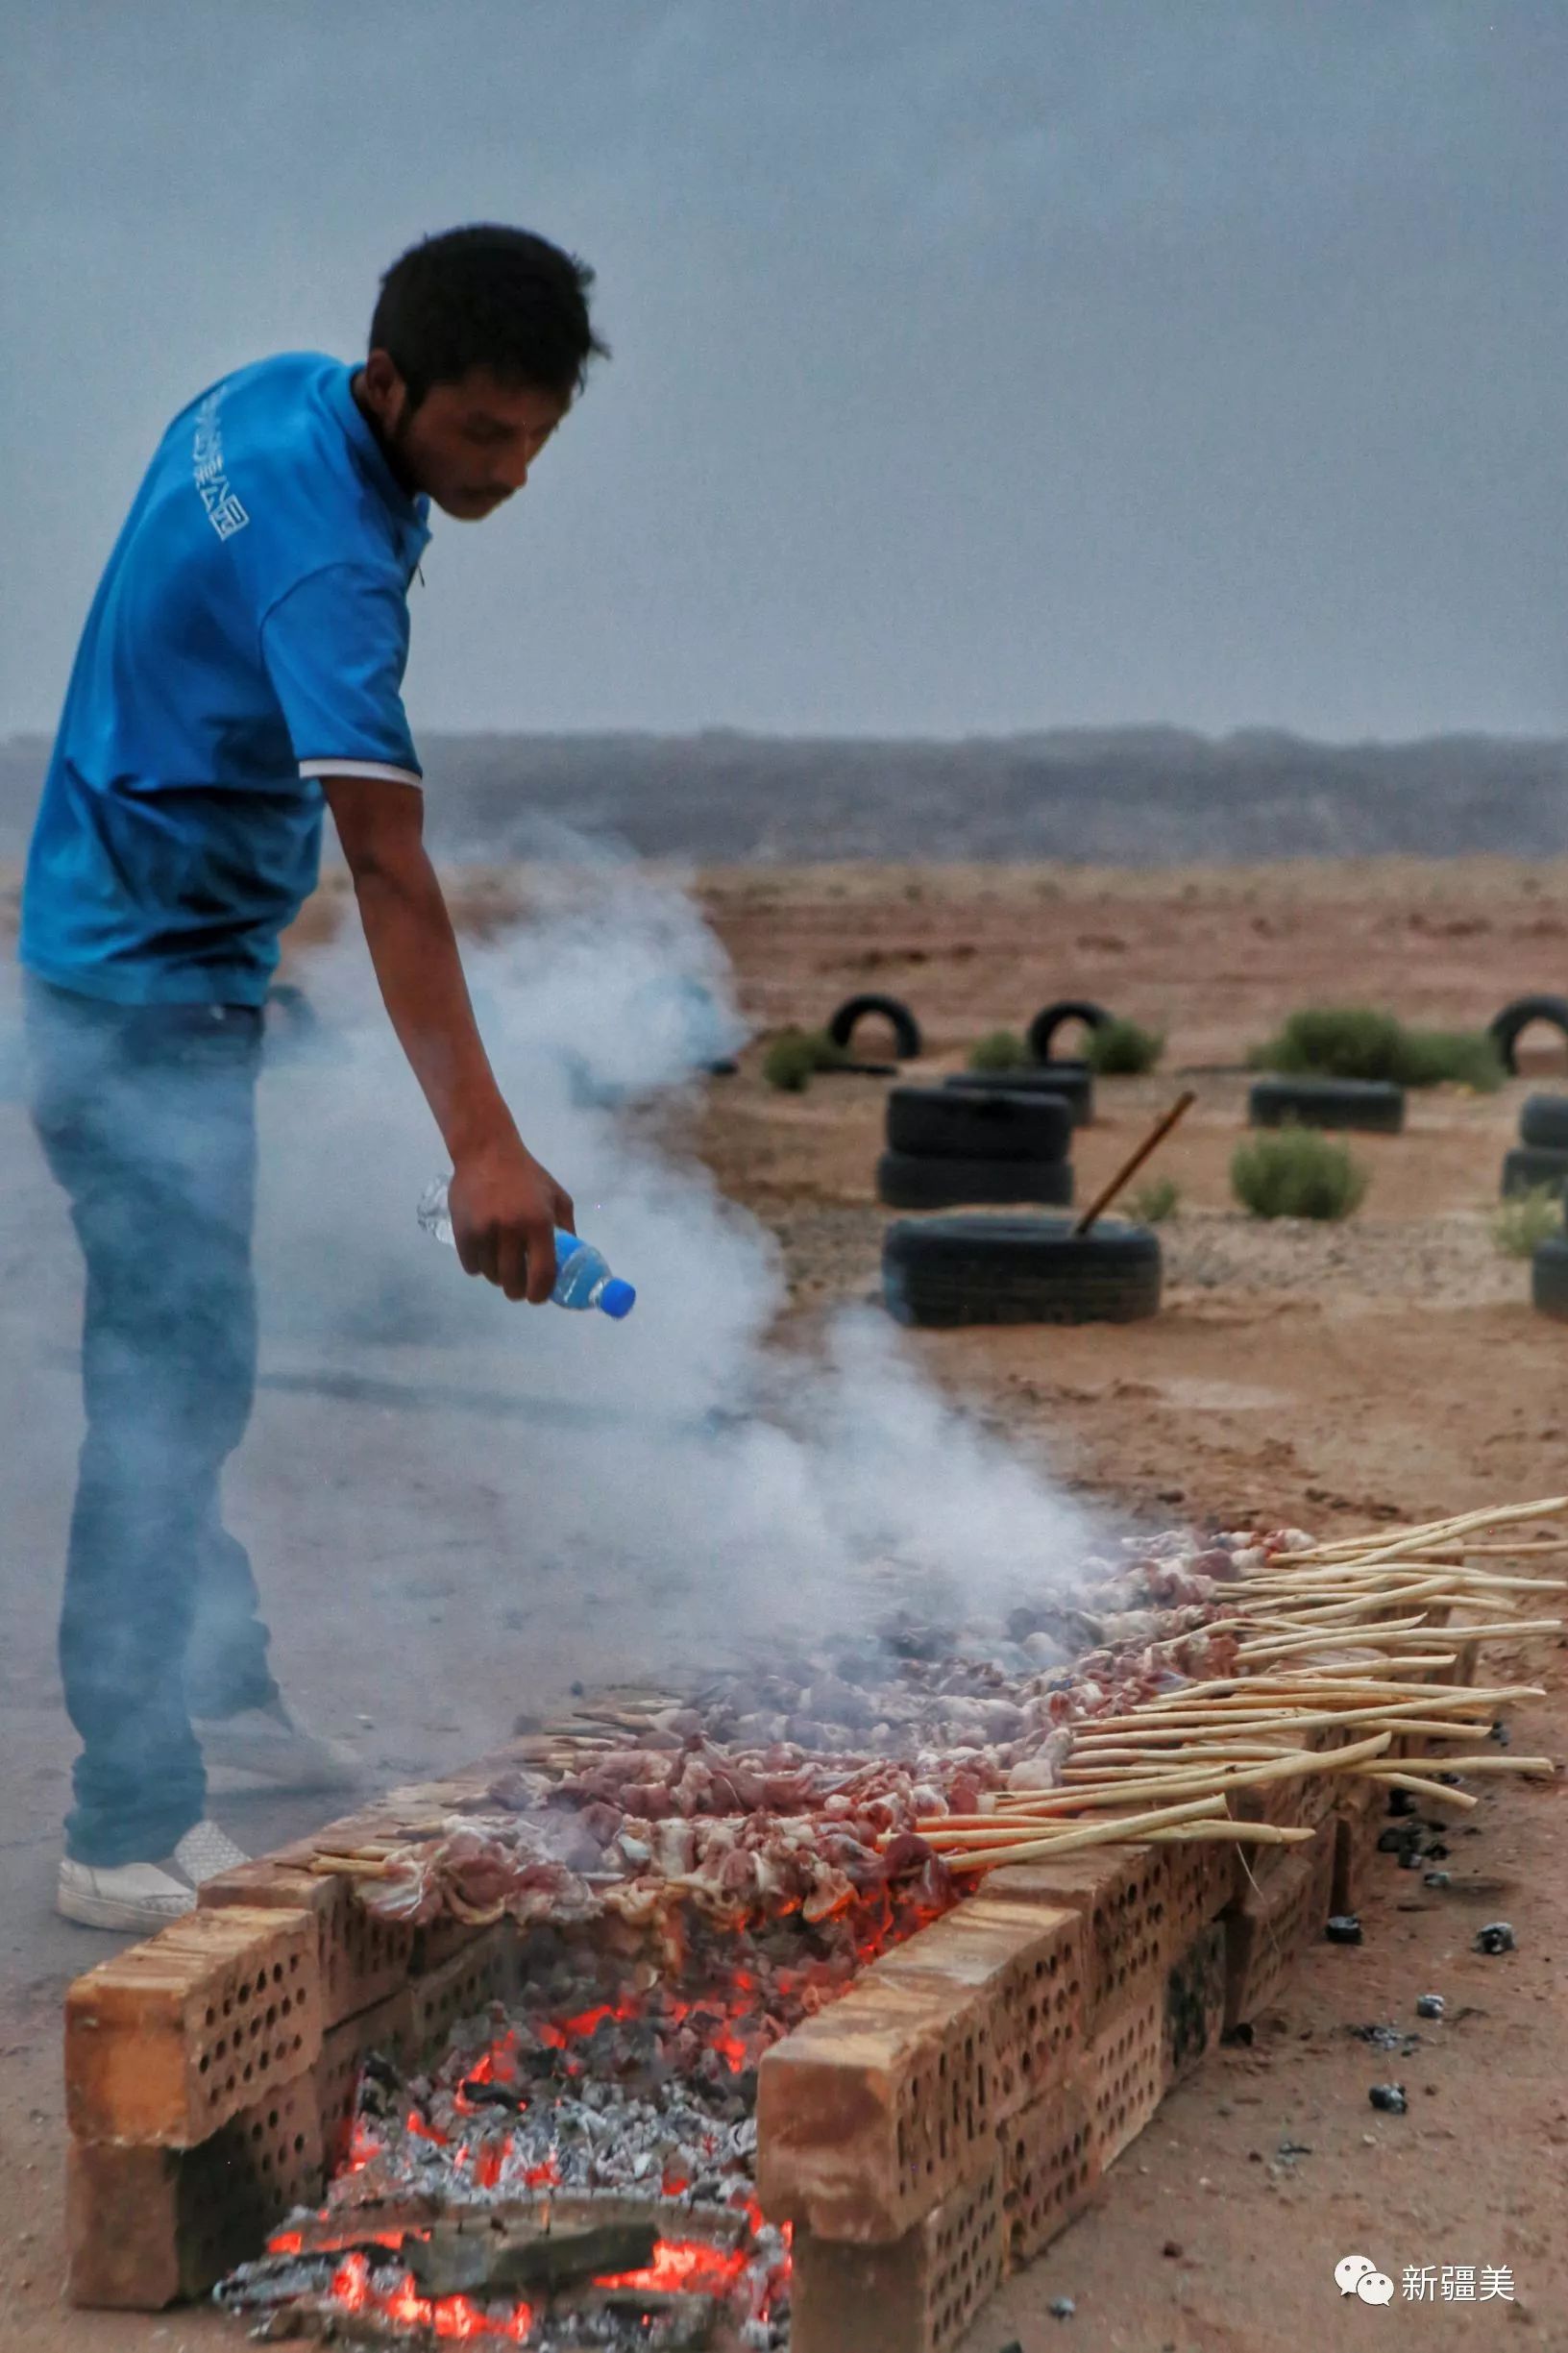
241,669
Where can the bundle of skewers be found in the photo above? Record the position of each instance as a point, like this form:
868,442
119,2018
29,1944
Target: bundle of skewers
1354,1659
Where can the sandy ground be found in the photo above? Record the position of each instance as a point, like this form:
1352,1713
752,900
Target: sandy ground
1336,1377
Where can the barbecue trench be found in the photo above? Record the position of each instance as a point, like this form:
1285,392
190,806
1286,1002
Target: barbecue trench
664,2027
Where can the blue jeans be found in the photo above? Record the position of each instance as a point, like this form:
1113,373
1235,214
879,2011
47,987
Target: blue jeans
147,1115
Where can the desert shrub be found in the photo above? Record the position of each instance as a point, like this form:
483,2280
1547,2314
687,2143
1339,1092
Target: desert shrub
789,1062
1528,1219
1358,1041
1345,1041
1463,1057
1297,1172
999,1049
797,1054
1121,1049
1156,1201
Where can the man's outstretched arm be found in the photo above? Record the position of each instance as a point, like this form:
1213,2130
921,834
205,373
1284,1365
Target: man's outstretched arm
504,1206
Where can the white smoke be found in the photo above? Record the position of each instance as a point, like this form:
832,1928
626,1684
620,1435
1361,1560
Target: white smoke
676,1489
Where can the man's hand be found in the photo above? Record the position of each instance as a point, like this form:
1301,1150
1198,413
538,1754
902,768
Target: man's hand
504,1207
504,1212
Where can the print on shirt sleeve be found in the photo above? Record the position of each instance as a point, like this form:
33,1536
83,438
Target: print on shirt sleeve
224,510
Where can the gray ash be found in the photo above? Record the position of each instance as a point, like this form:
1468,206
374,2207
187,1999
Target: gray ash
613,2095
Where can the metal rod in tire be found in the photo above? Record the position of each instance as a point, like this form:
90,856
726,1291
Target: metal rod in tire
1130,1167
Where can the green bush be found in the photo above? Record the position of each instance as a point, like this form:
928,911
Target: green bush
1528,1219
1297,1172
1462,1057
1350,1042
797,1054
1000,1049
1121,1049
1156,1201
1358,1041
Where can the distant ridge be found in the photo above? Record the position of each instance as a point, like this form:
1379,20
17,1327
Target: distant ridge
1113,796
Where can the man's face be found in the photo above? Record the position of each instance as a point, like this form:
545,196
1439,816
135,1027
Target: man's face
468,445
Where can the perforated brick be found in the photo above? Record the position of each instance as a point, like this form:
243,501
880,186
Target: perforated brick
1195,2002
917,2295
148,2226
1198,1886
1125,2075
362,1959
387,2031
1124,1895
874,2110
1356,1832
1049,2168
170,2039
1355,1793
1268,1928
1026,1963
483,1972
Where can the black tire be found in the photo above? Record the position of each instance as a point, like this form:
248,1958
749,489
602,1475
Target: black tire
914,1181
1505,1031
1374,1104
978,1123
1529,1167
1549,1276
1050,1018
1072,1081
1544,1120
1018,1270
906,1030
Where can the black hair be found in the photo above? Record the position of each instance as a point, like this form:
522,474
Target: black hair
487,297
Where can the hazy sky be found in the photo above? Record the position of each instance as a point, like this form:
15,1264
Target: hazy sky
979,365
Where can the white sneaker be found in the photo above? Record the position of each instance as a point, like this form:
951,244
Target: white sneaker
265,1745
205,1852
146,1895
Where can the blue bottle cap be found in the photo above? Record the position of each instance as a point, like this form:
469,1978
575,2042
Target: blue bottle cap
616,1298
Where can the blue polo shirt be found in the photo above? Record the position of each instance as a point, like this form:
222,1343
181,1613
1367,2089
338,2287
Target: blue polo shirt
248,637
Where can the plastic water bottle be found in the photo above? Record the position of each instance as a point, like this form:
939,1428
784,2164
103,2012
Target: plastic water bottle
582,1276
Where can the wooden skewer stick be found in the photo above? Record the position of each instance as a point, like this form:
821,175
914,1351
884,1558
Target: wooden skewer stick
1134,1162
1195,1781
1399,1580
1097,1834
1246,1692
1314,1613
1357,1637
1304,1683
1400,1715
1435,1531
1544,1766
1458,1524
1233,1833
1122,1761
1297,1712
1437,1793
1535,1548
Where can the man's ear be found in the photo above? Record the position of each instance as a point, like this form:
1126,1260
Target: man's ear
385,393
